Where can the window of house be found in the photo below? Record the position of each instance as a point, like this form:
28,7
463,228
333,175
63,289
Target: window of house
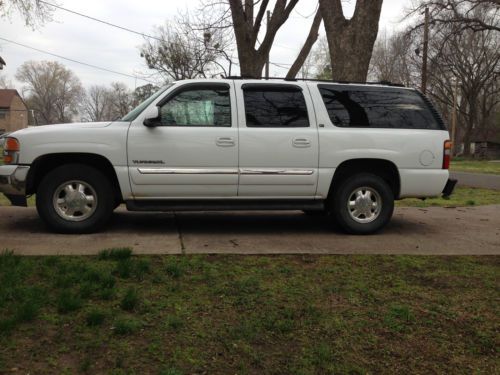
3,113
274,107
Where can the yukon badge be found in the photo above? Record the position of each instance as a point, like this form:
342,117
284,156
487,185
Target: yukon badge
148,162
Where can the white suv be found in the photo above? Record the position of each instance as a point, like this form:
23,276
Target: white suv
348,150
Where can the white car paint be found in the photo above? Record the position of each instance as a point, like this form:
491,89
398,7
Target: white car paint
197,166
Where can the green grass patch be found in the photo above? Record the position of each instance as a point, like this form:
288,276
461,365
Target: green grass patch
126,326
130,300
461,197
475,166
301,314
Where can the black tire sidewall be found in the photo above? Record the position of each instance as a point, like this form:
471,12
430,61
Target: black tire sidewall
87,174
341,196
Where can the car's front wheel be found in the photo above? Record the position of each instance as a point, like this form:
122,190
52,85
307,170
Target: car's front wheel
362,204
75,198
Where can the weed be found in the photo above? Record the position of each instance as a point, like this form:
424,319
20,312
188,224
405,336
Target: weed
174,323
130,300
115,254
68,302
170,371
174,270
95,317
126,326
142,268
124,268
398,317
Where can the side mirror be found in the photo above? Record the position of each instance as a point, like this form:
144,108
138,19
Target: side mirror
152,116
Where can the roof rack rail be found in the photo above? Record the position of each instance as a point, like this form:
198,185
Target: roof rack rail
384,83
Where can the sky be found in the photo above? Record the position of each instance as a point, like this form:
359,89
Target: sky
85,40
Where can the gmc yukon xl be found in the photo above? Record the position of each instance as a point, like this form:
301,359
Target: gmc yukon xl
345,150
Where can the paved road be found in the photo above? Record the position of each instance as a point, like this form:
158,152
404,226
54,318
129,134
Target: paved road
474,230
479,180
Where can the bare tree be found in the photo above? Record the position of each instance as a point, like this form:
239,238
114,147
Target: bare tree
189,47
51,90
463,13
472,59
307,47
4,83
141,93
34,12
392,61
247,27
468,59
121,100
351,40
97,104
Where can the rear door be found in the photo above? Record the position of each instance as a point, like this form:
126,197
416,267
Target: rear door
278,154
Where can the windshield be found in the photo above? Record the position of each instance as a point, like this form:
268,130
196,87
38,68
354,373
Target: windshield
132,115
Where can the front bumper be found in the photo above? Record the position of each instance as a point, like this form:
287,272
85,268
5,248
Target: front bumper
449,187
13,183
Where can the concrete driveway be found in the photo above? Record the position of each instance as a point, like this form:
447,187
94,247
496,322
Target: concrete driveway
478,180
474,230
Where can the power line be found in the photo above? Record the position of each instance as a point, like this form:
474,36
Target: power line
102,21
75,61
143,34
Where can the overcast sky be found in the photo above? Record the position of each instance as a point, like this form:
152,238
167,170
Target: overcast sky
82,39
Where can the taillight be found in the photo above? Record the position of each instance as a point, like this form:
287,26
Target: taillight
11,151
447,154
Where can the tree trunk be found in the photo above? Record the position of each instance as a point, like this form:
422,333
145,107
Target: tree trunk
351,41
246,30
306,48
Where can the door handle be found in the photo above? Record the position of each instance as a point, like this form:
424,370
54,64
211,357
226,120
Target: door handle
225,142
301,142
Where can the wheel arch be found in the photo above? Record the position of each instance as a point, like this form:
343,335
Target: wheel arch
383,168
45,163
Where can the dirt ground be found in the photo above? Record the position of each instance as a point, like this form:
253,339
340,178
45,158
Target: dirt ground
471,230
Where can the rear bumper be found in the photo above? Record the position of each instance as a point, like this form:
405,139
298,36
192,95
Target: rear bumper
13,183
449,187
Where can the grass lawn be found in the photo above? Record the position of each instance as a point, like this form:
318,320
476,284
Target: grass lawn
475,166
462,196
120,314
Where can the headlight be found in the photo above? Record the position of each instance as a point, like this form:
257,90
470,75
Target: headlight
11,151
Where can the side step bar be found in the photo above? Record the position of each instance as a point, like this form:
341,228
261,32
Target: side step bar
224,205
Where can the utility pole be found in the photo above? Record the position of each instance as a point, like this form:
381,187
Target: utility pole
267,62
454,118
426,48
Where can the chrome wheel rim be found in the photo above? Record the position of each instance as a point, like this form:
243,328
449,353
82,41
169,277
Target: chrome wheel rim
364,205
75,200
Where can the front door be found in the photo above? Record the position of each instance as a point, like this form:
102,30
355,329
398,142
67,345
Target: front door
192,152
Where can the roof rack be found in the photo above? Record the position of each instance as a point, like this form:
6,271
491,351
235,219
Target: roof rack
384,83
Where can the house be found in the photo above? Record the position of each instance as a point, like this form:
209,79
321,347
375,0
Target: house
486,150
13,111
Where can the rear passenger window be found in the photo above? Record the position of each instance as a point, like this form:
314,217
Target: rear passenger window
377,108
275,108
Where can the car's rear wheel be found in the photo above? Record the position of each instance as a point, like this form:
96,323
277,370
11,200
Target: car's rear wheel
75,198
362,204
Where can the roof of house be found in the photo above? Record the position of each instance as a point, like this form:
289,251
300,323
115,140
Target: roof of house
6,96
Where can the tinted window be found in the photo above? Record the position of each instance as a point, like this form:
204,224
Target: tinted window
275,108
377,108
198,107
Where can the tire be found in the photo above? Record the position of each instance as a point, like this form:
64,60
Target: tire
366,213
91,204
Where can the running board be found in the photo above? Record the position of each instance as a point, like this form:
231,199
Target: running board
224,205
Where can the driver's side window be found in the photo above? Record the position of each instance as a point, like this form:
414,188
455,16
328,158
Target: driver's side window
198,107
